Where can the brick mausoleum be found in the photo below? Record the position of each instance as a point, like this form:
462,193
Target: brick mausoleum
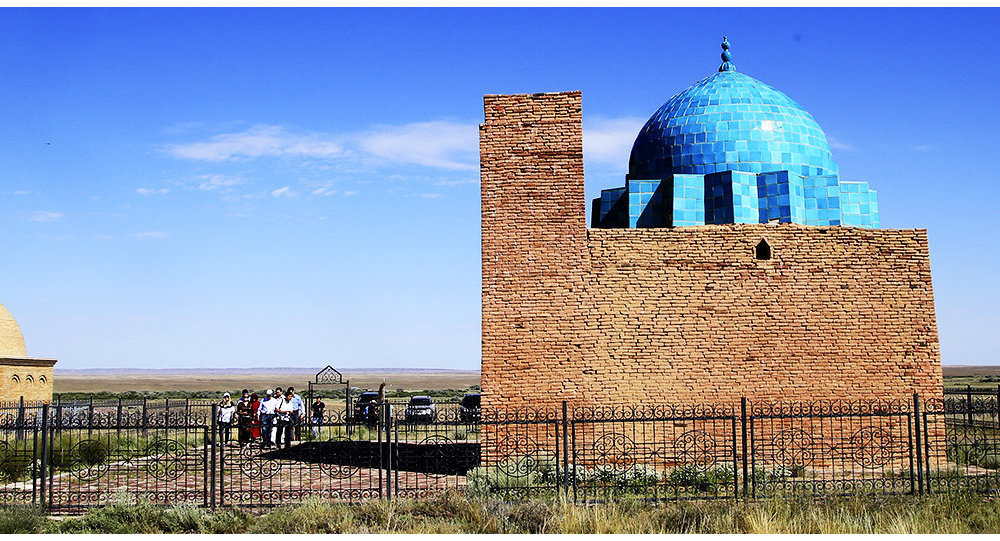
734,261
21,376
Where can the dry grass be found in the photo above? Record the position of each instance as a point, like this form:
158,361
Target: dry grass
452,512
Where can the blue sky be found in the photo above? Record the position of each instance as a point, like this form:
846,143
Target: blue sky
260,187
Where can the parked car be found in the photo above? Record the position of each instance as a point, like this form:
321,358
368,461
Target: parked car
366,408
421,409
470,408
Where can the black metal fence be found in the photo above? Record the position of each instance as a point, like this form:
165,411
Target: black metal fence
68,457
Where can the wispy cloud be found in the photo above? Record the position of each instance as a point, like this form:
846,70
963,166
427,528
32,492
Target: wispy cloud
283,192
441,143
150,235
46,216
432,195
921,148
837,144
608,141
152,191
459,182
256,142
216,182
349,193
324,191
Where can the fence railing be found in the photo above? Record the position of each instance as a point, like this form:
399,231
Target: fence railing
67,458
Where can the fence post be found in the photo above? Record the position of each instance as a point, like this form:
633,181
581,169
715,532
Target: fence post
565,445
214,472
187,409
44,459
968,405
743,426
918,446
20,419
90,416
145,420
118,415
387,411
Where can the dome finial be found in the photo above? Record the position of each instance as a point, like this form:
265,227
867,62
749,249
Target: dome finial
727,57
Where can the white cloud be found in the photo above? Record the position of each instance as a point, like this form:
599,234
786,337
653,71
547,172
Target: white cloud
215,182
440,143
456,182
150,235
324,192
837,144
46,216
152,191
921,148
256,142
349,193
283,192
608,141
432,195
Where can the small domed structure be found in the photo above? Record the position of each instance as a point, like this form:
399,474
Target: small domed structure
731,149
11,339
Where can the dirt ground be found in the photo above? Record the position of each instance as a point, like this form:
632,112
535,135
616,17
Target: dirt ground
93,381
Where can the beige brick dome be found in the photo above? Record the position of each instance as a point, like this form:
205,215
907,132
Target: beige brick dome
11,339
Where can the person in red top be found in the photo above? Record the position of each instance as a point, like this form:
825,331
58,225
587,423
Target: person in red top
255,415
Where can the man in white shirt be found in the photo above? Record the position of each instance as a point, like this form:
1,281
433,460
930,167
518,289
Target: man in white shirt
284,415
267,407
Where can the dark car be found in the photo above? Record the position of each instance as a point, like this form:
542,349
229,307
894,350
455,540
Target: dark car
421,409
470,409
366,408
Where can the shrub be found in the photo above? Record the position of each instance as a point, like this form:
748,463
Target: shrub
15,465
21,519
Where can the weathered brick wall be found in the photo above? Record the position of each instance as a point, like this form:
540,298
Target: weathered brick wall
687,314
534,241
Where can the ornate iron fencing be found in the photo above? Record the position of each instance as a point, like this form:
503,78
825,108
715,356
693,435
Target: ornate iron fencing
66,458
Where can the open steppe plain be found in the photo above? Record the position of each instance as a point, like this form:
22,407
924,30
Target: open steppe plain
119,380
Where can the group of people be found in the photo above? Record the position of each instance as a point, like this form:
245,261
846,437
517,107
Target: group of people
271,421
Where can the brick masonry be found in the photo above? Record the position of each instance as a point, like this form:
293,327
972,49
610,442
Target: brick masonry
623,316
30,378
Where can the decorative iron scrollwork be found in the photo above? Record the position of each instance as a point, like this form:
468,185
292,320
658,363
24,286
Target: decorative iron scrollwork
696,448
793,448
614,450
339,469
255,465
872,447
439,453
517,455
169,459
90,460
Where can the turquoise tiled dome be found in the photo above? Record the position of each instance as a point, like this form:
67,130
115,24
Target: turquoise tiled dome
730,121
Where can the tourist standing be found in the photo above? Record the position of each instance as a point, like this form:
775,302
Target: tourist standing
226,412
300,412
244,416
318,407
284,415
267,407
254,417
